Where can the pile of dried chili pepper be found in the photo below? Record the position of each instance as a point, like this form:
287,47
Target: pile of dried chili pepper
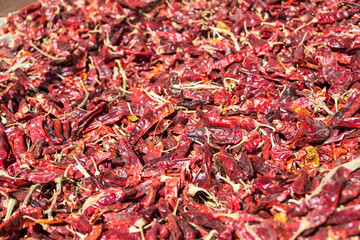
192,119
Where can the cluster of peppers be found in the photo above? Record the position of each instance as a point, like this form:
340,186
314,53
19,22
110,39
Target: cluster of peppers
165,119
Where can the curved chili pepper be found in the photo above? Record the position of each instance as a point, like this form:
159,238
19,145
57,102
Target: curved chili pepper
148,120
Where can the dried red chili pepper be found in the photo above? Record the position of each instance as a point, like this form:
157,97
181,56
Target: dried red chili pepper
170,119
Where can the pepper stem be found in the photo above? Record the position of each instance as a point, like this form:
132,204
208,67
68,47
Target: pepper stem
10,208
236,187
28,195
81,168
176,206
336,98
44,53
86,94
49,212
211,235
